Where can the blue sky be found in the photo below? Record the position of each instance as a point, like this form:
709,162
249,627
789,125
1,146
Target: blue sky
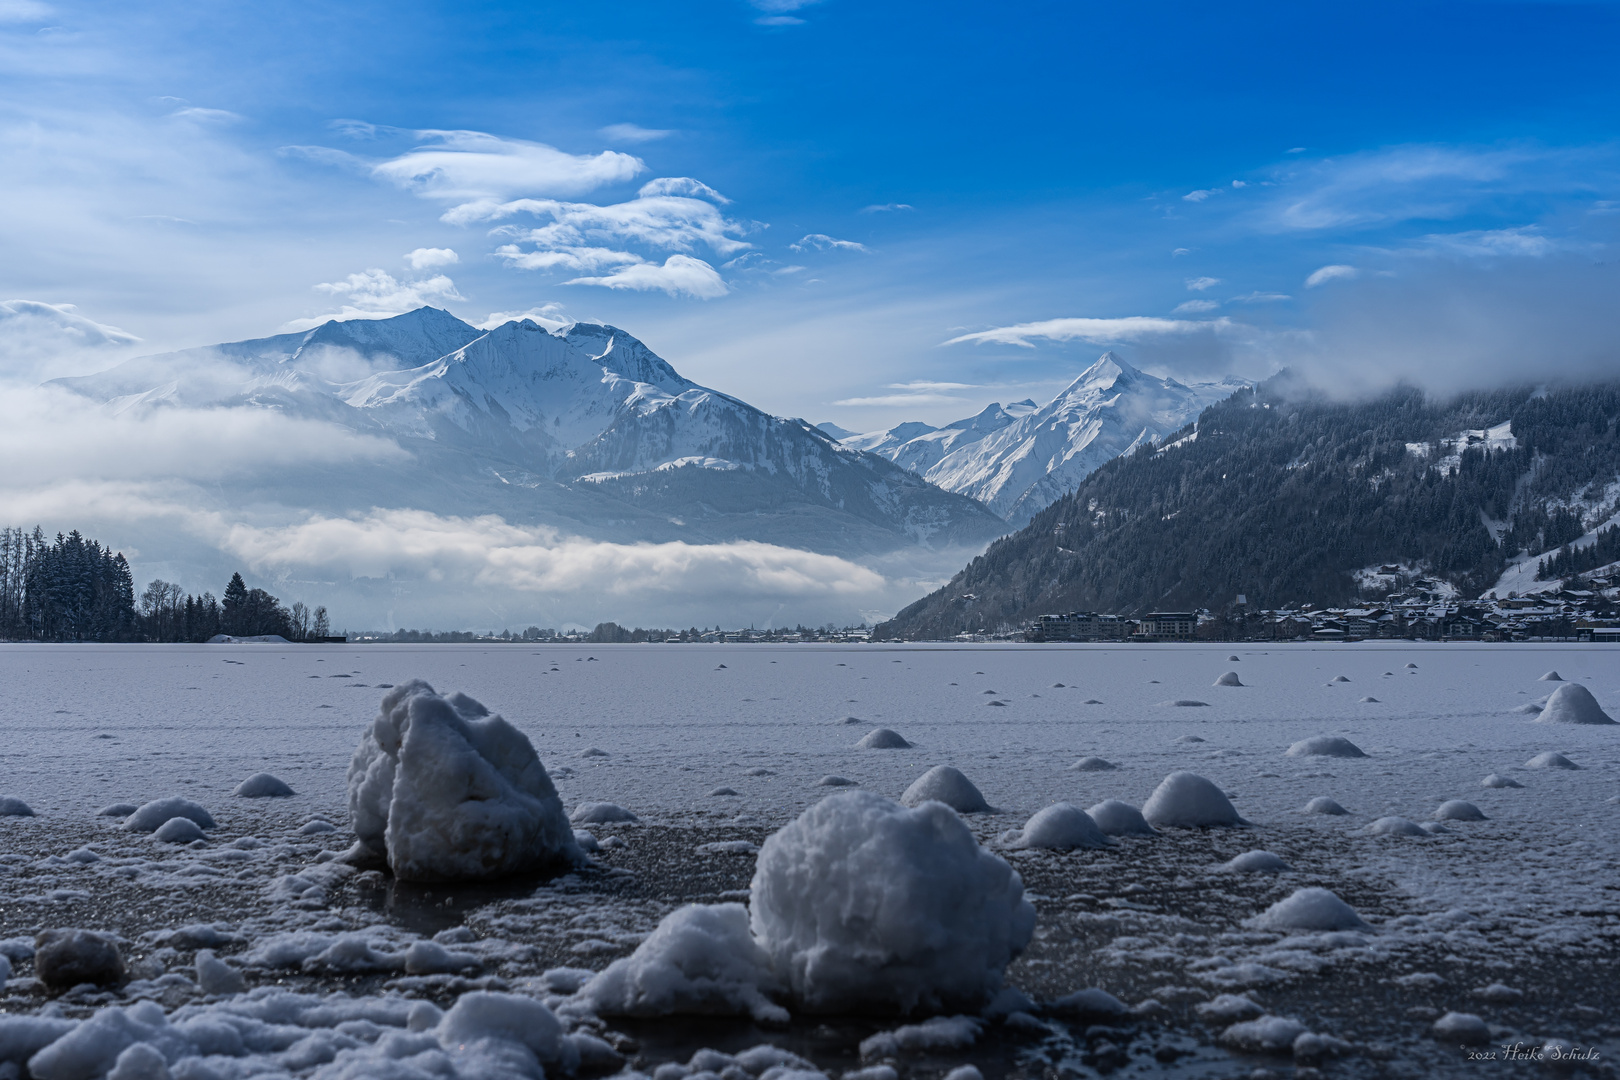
802,204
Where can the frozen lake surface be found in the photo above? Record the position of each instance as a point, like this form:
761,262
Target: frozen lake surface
1527,899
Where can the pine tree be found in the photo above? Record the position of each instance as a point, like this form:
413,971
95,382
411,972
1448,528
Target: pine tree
233,611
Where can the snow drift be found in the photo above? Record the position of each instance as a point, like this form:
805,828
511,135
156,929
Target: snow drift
1573,703
1188,800
445,791
862,902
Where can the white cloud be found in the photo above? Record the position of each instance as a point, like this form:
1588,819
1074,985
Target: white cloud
778,20
681,185
823,242
40,340
1178,252
1200,196
549,316
487,552
672,222
1199,284
465,165
899,400
24,11
429,258
633,133
207,116
1525,241
575,258
1262,298
779,6
1195,306
377,294
1095,331
929,385
887,208
680,275
1335,272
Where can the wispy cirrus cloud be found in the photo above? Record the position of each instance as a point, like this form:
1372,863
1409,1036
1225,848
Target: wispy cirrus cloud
633,133
1334,272
1131,328
40,340
823,242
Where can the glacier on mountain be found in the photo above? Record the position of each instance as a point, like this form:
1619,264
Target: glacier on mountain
1018,459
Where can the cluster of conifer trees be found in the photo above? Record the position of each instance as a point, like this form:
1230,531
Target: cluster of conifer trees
74,589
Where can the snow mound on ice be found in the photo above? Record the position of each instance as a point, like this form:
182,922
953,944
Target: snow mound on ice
1396,826
1265,1034
1341,678
153,814
482,1018
1091,1003
1461,1028
1311,908
1411,665
178,830
946,784
1185,703
1187,800
1550,759
117,809
1368,700
1573,703
1497,780
701,959
1458,810
10,807
1232,658
863,902
600,813
882,739
1551,676
448,792
217,977
1255,862
1092,764
1325,746
849,721
1061,827
1229,679
1189,739
262,786
1227,1008
1116,818
1324,805
835,781
721,791
936,1033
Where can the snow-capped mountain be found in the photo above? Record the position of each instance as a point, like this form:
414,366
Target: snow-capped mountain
584,429
1018,459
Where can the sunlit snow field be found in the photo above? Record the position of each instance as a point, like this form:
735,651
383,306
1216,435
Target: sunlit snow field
665,726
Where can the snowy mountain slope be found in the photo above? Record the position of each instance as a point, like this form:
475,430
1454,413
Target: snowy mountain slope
585,429
1019,459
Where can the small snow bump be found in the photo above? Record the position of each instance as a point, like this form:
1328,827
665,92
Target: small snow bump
1255,862
1184,703
1497,780
1395,826
1550,759
1335,746
1465,1028
1324,805
835,781
318,827
1230,678
1092,764
10,807
882,739
1458,810
720,791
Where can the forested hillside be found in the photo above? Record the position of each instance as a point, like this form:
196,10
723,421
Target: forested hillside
1281,493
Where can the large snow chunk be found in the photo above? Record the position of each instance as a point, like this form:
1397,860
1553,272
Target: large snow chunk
66,958
1550,759
1311,908
446,792
1551,676
485,1017
262,786
151,816
1188,800
1229,679
1116,818
1325,746
10,807
862,902
1061,827
701,959
1573,703
882,739
946,784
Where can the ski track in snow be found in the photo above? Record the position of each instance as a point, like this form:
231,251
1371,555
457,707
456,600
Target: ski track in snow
1527,897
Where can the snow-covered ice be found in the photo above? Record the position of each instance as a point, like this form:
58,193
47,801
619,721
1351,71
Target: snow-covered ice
1518,899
